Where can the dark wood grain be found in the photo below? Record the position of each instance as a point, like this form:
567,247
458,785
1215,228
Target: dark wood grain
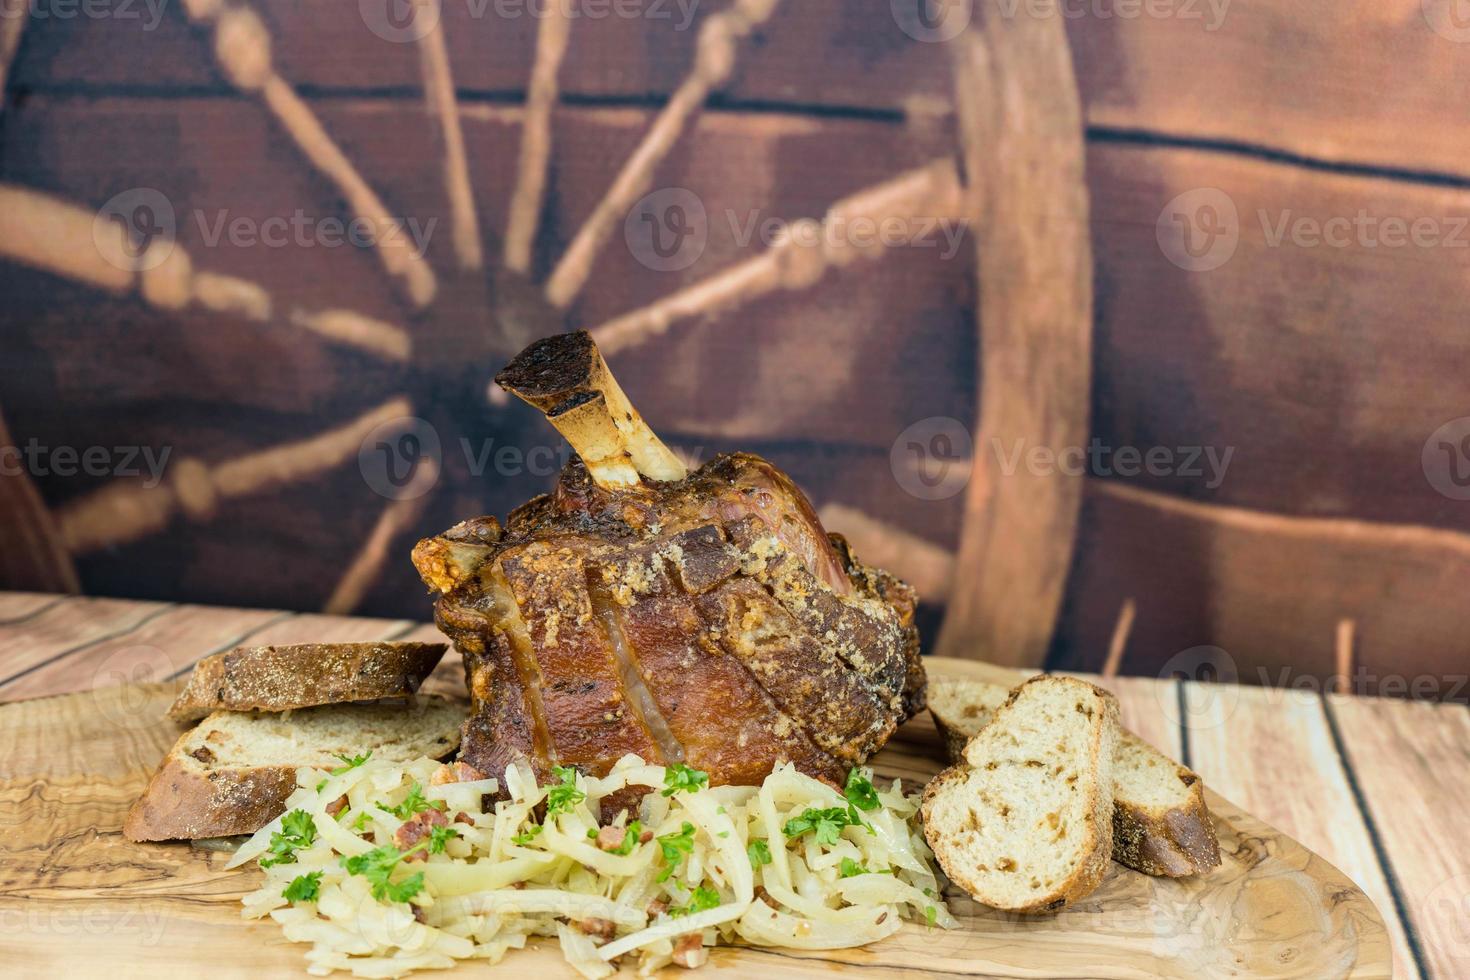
1303,76
1269,590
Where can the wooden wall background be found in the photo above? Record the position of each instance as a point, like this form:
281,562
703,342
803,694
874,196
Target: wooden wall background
1326,369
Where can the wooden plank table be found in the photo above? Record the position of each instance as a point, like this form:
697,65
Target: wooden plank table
1377,787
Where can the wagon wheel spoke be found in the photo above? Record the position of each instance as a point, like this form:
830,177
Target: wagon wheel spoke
525,202
713,64
68,240
439,93
126,511
242,48
397,517
806,250
13,14
1025,167
31,549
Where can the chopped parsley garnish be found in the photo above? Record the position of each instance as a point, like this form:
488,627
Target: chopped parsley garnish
826,824
565,795
528,835
680,778
360,824
591,833
759,853
851,869
438,837
930,914
377,867
413,803
297,830
630,839
860,792
702,899
675,848
303,888
352,762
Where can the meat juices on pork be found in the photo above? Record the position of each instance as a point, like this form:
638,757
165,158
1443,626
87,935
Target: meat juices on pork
704,618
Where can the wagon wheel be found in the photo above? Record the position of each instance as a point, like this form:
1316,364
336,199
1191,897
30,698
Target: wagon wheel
1017,177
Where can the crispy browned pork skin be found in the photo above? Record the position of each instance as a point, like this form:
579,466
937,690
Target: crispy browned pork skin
704,618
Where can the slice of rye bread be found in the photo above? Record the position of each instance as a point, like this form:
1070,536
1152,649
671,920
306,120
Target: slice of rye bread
1025,824
232,773
1161,825
286,677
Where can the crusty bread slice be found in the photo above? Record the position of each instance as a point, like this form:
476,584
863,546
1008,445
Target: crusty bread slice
1161,825
962,707
232,772
1025,824
287,677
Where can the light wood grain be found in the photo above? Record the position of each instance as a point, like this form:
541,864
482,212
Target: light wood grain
1412,765
156,650
60,630
74,763
18,606
1271,750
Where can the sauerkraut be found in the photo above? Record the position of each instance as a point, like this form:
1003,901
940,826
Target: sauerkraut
389,868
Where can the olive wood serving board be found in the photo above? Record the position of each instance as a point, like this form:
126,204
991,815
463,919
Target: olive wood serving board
76,899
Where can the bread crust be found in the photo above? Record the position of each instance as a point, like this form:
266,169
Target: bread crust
191,795
1097,850
1167,843
1172,843
282,678
183,805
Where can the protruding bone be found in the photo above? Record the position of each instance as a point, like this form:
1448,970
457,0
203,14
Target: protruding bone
567,379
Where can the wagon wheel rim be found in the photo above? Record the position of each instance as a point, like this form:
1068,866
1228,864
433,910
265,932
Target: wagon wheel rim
949,187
